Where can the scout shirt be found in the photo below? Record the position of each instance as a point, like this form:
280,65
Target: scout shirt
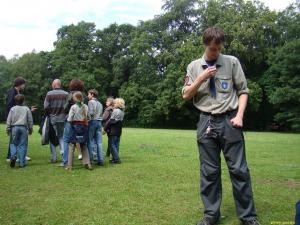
230,82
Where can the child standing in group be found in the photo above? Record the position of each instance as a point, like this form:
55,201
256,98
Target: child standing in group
19,125
95,126
78,117
105,118
114,129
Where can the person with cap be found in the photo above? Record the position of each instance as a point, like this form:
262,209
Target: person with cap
218,87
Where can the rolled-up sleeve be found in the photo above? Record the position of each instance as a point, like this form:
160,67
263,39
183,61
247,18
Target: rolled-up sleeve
188,80
239,78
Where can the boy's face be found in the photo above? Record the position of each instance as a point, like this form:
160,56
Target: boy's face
213,50
90,96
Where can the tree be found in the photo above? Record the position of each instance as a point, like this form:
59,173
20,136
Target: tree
5,83
282,82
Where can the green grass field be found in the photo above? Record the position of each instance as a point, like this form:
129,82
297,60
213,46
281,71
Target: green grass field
156,184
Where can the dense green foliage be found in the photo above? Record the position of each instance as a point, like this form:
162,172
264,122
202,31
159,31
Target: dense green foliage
146,64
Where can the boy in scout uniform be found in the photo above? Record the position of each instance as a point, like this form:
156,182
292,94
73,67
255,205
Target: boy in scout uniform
219,90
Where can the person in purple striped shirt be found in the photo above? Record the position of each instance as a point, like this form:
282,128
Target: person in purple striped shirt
54,106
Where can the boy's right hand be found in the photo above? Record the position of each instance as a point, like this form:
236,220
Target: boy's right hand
30,132
209,72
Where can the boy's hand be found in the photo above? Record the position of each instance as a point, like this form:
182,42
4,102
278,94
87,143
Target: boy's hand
209,72
237,122
30,132
33,108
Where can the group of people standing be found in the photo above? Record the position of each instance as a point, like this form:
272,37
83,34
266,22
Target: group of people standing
73,119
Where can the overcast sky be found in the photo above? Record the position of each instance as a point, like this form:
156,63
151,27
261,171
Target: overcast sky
32,24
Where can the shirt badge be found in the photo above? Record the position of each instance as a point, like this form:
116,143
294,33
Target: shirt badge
186,81
224,85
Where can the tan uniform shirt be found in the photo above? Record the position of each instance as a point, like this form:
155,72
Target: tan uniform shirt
230,82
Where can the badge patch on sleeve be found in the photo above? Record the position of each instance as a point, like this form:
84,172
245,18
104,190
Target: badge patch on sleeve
224,85
186,81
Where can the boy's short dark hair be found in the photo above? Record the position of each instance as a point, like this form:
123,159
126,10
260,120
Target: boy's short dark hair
94,92
214,34
19,81
19,99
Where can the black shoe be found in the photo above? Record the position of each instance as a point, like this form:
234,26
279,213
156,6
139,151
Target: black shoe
13,161
53,161
100,163
112,161
253,221
208,221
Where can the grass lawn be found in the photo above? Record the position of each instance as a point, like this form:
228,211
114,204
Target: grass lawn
156,184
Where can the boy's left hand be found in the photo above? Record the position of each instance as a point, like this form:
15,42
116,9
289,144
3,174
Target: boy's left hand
237,122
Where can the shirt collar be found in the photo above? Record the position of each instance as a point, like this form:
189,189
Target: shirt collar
218,63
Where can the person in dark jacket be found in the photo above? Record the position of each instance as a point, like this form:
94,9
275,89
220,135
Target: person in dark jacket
114,129
19,86
106,116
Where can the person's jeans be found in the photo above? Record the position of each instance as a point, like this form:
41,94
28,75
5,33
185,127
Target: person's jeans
66,140
109,144
53,149
19,140
8,150
95,138
59,130
114,147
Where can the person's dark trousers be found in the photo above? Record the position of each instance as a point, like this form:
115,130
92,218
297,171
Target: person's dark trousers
114,147
108,151
230,140
297,217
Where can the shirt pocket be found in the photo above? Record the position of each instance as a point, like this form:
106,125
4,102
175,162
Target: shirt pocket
224,84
